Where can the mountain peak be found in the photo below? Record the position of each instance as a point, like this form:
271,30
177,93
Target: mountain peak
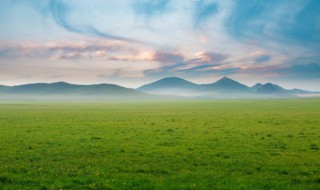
168,83
270,88
227,84
172,79
226,79
257,86
60,83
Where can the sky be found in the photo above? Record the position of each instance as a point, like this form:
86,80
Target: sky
134,42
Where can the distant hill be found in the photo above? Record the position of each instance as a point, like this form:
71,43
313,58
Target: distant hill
270,88
299,91
66,88
222,88
181,87
256,86
72,90
169,82
170,85
225,84
3,87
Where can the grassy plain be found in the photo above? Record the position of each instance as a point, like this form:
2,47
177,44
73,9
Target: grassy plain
216,144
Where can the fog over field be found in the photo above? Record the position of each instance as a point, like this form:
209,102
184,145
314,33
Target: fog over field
171,88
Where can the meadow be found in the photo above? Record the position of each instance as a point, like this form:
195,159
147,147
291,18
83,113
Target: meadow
187,144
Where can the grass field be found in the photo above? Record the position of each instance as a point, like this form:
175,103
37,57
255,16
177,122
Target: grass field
217,144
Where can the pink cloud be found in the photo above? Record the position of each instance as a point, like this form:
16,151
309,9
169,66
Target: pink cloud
111,50
211,57
168,57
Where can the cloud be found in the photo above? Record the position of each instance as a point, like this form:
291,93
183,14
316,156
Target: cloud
223,72
149,8
60,12
41,6
169,61
200,60
181,64
262,58
303,68
211,57
203,11
123,72
133,57
168,57
248,17
64,13
301,71
102,49
112,50
268,21
306,24
187,70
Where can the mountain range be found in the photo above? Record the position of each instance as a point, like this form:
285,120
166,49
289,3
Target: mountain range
63,90
224,87
166,87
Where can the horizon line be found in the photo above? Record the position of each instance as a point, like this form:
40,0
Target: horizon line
88,84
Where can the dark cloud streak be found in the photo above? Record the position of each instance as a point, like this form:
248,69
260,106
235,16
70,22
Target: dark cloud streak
203,11
177,64
60,12
150,8
168,57
262,59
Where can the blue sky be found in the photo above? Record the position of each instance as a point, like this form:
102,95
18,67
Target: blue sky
133,42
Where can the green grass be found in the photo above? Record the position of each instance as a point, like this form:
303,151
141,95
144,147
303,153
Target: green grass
218,144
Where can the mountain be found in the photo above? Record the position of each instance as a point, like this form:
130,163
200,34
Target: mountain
63,89
270,88
222,88
170,85
299,91
226,84
41,88
169,82
2,87
225,87
177,86
256,86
